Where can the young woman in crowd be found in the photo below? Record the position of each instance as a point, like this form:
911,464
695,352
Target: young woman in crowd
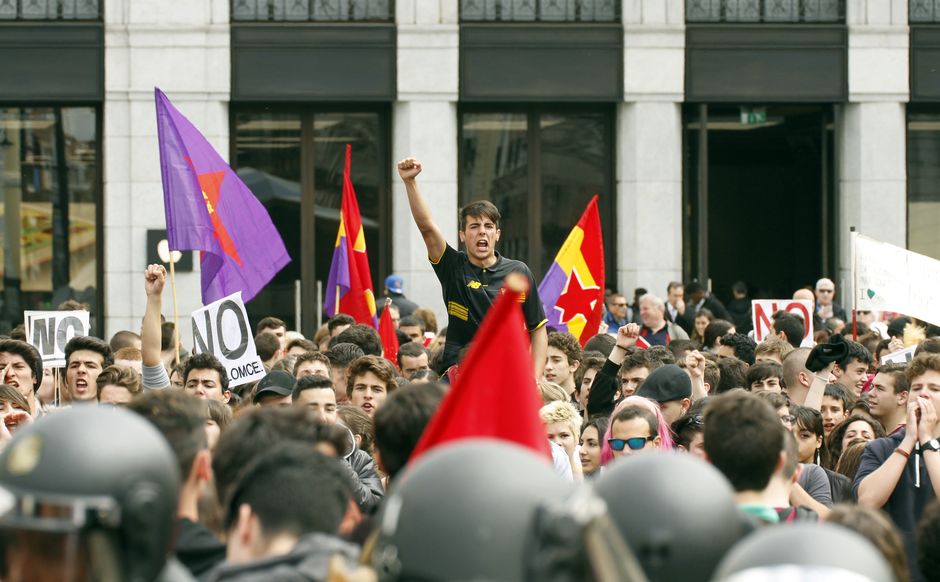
702,318
856,428
590,450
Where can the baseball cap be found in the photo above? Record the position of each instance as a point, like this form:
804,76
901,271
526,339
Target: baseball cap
277,382
395,283
666,384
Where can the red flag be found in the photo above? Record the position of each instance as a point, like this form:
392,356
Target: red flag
573,287
495,394
388,335
349,286
642,343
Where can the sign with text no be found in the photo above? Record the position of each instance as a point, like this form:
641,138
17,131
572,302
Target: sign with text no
763,311
222,329
49,331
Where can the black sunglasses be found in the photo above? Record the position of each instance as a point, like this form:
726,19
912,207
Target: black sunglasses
635,443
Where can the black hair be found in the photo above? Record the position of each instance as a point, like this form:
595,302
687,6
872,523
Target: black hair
838,392
253,434
733,374
311,382
412,350
206,361
180,418
266,345
412,321
743,439
761,371
361,335
400,422
714,331
690,424
29,354
318,487
89,343
681,347
338,320
856,351
742,345
602,342
792,326
693,287
660,356
342,354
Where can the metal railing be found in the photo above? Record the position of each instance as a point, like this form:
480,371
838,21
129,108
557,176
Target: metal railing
766,11
314,10
29,10
540,10
924,11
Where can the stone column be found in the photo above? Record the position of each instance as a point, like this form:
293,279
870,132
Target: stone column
649,147
182,47
425,127
872,132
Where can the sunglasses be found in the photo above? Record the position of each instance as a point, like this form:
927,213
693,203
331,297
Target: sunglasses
635,443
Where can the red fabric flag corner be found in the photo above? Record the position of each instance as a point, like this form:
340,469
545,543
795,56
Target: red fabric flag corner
389,337
495,395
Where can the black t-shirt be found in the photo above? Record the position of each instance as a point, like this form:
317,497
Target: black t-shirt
469,291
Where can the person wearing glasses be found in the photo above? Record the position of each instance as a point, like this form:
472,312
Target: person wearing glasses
826,306
637,425
618,313
690,430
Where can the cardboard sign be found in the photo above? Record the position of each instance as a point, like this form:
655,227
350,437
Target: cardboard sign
49,331
903,357
222,329
762,312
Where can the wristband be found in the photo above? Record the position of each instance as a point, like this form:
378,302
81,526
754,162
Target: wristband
902,452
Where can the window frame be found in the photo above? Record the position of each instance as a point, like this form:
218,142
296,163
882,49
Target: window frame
607,207
311,318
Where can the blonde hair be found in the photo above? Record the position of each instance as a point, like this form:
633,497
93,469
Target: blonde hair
560,411
552,392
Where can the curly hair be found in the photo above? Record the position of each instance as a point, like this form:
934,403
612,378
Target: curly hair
567,344
560,411
378,365
742,345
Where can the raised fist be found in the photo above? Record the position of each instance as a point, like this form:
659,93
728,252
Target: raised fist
409,168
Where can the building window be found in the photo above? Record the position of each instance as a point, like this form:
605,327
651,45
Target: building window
767,11
50,10
540,168
292,160
540,10
923,180
314,10
49,165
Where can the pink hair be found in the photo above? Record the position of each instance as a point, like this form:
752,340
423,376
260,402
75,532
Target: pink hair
662,427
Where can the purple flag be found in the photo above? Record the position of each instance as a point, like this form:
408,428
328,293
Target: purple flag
209,209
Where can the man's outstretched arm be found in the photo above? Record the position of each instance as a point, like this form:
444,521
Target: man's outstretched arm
408,169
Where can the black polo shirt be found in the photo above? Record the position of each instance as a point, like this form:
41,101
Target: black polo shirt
469,291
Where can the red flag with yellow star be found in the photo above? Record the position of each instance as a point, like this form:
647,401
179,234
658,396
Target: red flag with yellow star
573,289
209,209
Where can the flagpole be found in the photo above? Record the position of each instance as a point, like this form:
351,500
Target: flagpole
176,317
854,236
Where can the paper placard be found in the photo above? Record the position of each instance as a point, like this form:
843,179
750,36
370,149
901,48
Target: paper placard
50,331
762,312
221,329
903,357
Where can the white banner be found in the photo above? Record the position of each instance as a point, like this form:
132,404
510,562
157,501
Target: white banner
894,279
49,331
221,329
902,357
762,312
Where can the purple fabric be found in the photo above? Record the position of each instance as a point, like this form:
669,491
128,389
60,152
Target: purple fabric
337,284
209,209
549,291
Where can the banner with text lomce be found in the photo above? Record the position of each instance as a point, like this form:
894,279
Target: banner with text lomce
890,278
762,312
221,329
49,331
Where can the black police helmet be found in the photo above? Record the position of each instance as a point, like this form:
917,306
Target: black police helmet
820,551
677,513
465,511
109,470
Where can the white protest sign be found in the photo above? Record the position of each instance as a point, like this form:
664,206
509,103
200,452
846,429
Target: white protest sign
902,357
894,279
762,312
221,329
49,331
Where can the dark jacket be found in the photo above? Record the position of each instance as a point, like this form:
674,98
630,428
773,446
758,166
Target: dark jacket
405,306
308,561
841,487
741,316
369,490
837,311
716,307
603,389
197,548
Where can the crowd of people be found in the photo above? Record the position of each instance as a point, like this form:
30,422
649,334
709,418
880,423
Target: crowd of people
682,449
